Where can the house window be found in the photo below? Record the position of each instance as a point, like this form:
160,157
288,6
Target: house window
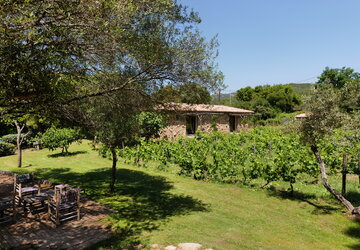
232,123
190,125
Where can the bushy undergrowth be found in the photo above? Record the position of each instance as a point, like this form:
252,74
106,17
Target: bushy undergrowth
263,153
11,138
7,149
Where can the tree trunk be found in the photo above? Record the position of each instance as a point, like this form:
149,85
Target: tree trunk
326,184
343,189
113,170
19,154
18,142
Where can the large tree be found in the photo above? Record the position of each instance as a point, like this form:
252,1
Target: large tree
186,93
113,119
97,63
337,77
268,100
325,115
53,51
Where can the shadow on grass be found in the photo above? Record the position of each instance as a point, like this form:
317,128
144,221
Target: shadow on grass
355,233
68,154
142,202
353,197
308,198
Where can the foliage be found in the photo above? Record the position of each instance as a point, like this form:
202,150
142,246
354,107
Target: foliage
150,124
262,106
6,128
113,120
187,93
268,100
59,55
343,141
56,52
325,116
7,148
350,96
337,77
245,94
264,153
302,89
11,138
54,138
167,207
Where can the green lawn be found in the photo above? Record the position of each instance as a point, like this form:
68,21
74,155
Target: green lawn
163,208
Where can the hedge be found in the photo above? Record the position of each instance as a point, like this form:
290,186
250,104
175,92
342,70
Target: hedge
7,149
11,138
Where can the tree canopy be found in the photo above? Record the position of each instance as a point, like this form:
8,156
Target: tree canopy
97,63
55,52
337,77
186,93
326,115
59,138
268,100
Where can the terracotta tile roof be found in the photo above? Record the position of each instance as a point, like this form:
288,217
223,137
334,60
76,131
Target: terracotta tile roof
206,108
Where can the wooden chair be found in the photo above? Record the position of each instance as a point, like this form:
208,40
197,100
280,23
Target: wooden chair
24,185
64,205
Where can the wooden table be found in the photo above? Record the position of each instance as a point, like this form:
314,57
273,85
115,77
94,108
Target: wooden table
34,203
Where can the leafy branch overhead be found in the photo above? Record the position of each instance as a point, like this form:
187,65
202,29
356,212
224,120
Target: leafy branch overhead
54,52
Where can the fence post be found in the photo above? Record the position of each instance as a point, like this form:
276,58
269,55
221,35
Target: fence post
359,166
343,190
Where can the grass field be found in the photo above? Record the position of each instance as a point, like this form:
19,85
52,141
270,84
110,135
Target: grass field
163,208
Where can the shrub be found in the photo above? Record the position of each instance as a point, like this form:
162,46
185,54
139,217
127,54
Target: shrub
7,149
11,138
59,138
150,124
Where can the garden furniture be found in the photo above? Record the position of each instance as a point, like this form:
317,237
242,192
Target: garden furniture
34,204
24,185
64,205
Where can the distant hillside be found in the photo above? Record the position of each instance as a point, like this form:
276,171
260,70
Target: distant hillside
302,88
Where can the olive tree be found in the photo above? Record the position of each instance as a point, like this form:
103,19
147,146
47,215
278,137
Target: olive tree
52,51
59,55
324,116
113,120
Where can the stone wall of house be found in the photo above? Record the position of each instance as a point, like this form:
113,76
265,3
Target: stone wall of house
205,123
176,127
239,126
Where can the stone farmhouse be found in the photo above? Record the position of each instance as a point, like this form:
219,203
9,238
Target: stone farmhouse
185,119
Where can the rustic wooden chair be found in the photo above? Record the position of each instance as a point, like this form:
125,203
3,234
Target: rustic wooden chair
24,185
64,205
